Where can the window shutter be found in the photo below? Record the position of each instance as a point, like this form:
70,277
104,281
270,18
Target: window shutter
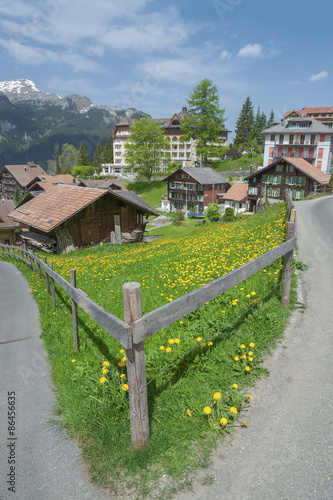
270,192
302,195
278,192
287,180
294,193
263,191
279,181
271,179
303,181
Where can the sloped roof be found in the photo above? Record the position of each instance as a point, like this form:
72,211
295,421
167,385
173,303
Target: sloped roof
134,199
102,183
203,175
237,192
48,181
24,174
286,128
319,110
303,165
51,208
6,206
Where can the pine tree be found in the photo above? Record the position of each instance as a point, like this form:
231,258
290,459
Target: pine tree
84,157
271,119
17,196
204,121
107,155
245,126
97,160
260,125
57,167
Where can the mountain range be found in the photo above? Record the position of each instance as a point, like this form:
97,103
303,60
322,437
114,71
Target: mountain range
35,124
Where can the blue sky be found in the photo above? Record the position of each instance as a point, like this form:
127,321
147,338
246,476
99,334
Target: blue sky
150,54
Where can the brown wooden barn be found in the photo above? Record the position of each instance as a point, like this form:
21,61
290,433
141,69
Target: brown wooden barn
66,217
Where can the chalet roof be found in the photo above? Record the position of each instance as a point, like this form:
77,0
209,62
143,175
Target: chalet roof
305,111
134,199
6,206
55,206
237,192
24,174
203,175
48,181
299,163
103,184
286,128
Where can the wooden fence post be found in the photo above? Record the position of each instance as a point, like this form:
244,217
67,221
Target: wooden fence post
52,288
32,260
288,261
136,370
74,313
39,271
47,282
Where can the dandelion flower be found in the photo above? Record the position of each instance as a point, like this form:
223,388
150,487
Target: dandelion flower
247,368
242,346
198,339
104,370
253,293
122,350
171,341
73,360
181,322
250,353
243,356
217,395
102,380
251,344
177,341
124,387
189,413
106,363
168,349
210,343
235,386
244,424
233,410
123,359
223,422
203,344
248,295
250,359
207,410
121,363
249,396
122,375
236,358
162,348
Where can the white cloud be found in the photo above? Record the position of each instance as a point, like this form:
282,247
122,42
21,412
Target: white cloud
250,50
319,76
225,55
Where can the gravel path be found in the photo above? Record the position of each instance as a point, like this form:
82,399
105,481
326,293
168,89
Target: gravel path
45,464
286,452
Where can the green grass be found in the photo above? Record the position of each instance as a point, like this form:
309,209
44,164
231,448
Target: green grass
239,165
184,228
97,414
150,193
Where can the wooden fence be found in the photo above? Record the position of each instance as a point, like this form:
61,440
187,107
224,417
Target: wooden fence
132,332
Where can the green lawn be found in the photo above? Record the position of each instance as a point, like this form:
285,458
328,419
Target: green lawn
238,165
150,193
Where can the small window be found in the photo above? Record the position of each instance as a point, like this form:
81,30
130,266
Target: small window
275,179
281,139
279,168
272,137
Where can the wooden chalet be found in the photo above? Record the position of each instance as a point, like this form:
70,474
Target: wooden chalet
195,187
273,181
8,227
237,197
113,184
66,217
22,176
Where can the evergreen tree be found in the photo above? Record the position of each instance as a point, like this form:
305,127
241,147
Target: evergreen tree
25,193
107,156
271,119
260,125
97,160
145,151
245,126
57,167
17,196
204,121
84,157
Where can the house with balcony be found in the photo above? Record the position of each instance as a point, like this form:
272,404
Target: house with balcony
236,197
300,137
8,227
323,114
273,181
22,176
194,188
180,151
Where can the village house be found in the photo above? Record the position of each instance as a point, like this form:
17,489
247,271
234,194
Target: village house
300,137
8,228
22,176
322,114
274,180
236,197
194,188
46,182
113,184
66,217
182,152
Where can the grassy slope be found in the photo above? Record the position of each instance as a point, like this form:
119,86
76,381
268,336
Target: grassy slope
150,193
97,414
238,165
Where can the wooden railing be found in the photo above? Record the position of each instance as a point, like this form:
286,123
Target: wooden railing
132,332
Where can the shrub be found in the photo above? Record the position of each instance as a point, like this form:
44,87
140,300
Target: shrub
213,212
228,215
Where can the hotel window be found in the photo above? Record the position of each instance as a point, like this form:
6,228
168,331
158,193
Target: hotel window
281,139
272,137
291,139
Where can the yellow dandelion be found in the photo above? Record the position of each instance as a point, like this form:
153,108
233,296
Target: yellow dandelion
105,370
177,341
102,380
250,359
168,349
247,368
106,363
122,350
123,359
210,343
207,410
181,322
121,363
250,353
124,387
244,424
242,346
251,344
122,375
235,386
171,341
198,339
162,348
253,293
189,413
217,395
249,396
223,422
236,358
73,360
203,344
233,410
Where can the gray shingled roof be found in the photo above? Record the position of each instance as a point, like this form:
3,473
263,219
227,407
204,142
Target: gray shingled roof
315,127
134,199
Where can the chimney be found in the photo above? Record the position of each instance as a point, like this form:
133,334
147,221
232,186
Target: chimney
184,108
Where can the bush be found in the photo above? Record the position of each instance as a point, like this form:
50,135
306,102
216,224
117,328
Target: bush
213,212
229,215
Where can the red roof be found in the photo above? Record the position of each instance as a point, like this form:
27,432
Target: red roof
24,174
6,206
237,192
48,181
309,169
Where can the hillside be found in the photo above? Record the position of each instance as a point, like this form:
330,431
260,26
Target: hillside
35,124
